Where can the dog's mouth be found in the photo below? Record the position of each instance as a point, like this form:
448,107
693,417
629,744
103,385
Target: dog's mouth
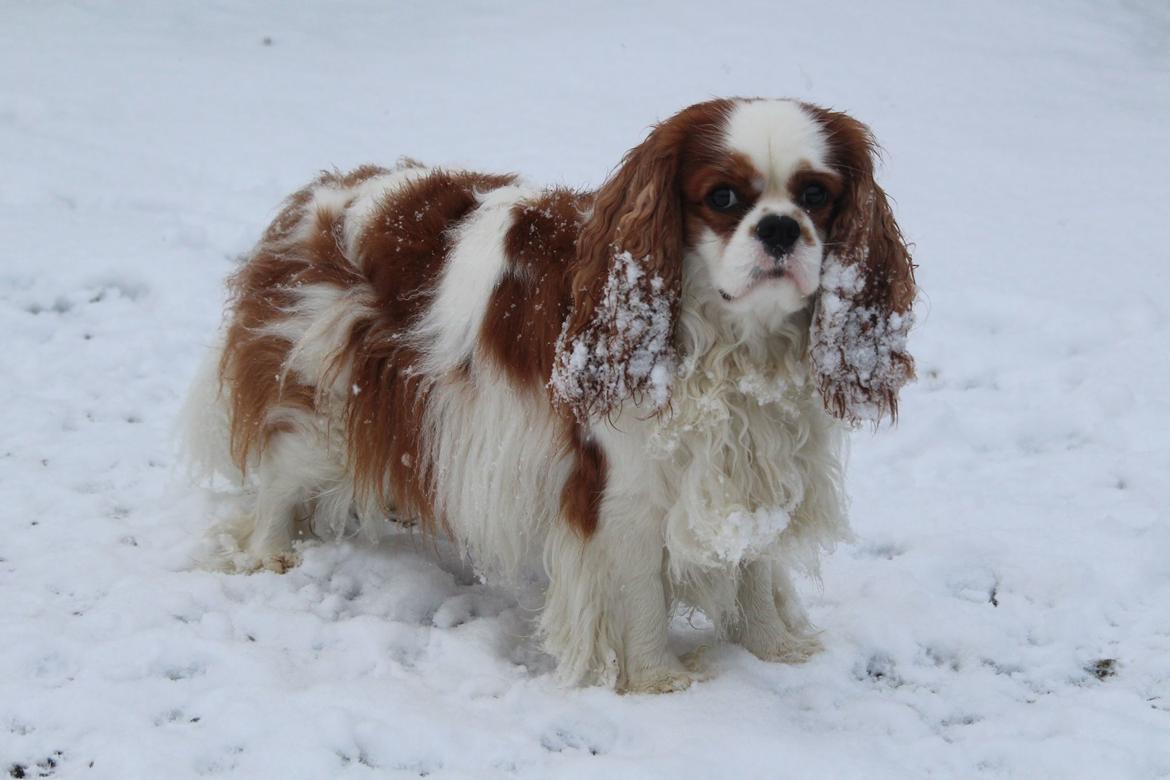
758,277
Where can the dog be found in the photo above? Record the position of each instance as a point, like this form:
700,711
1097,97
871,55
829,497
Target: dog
645,389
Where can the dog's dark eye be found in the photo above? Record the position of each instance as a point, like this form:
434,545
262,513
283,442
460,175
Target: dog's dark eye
722,199
814,196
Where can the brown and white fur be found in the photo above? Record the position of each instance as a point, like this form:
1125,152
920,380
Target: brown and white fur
645,388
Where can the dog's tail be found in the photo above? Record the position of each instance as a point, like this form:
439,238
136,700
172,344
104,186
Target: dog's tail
205,423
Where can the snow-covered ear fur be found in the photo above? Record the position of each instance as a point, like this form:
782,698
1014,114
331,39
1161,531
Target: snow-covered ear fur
863,313
618,340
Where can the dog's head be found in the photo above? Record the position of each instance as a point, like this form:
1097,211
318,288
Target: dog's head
770,206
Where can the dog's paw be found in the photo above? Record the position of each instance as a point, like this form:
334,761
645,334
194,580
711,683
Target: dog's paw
664,679
226,555
792,649
278,562
696,664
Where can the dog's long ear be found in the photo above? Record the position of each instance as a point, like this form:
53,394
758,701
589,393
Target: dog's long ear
618,339
864,310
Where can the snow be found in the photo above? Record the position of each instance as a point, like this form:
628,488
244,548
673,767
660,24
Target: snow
744,534
1003,612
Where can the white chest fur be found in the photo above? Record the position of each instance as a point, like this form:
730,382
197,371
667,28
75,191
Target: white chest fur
745,465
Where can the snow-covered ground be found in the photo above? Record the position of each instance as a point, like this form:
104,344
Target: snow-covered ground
1005,611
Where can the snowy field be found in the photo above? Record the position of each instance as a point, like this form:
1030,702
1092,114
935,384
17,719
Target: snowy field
1005,609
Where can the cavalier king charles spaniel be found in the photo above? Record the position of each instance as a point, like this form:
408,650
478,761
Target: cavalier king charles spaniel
642,391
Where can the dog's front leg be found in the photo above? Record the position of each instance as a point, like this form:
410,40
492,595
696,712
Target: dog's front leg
606,612
771,623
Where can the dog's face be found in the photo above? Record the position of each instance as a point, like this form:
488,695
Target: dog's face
765,208
758,208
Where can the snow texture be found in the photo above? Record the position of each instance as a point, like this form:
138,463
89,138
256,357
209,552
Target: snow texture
626,349
744,534
1003,612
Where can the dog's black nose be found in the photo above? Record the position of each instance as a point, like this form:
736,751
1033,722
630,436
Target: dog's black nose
778,233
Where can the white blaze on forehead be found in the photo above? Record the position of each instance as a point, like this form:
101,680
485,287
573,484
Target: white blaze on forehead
778,137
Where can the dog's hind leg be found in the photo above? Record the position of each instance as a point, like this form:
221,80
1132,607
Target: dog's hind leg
289,475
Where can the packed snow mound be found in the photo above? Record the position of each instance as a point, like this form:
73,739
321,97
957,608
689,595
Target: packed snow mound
744,534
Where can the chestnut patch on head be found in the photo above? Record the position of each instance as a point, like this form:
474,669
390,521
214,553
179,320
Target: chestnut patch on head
707,180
